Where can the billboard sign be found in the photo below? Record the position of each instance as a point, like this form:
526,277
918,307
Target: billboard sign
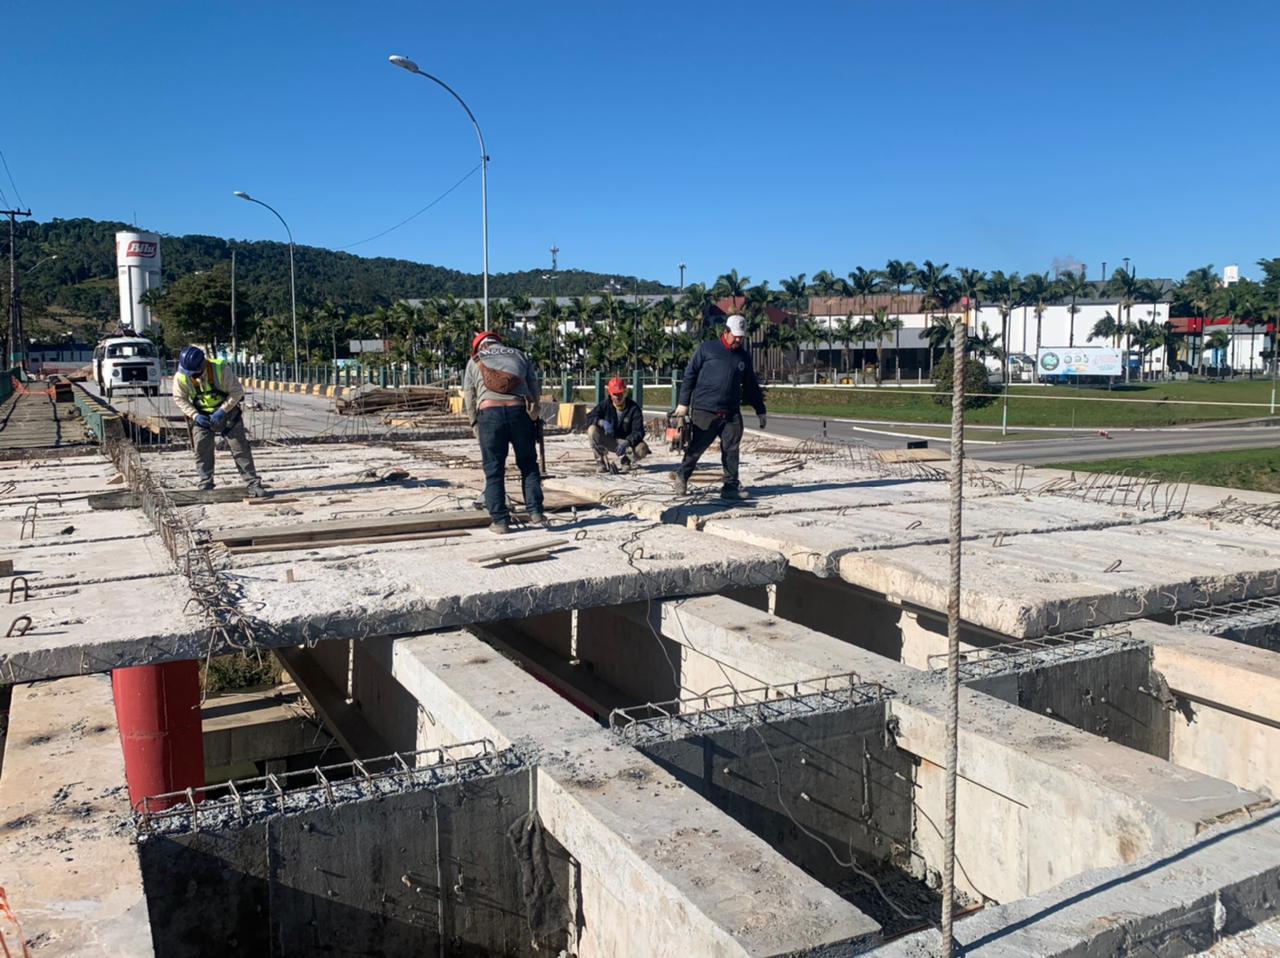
142,248
1080,361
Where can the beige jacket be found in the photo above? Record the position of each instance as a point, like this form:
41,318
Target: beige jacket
505,359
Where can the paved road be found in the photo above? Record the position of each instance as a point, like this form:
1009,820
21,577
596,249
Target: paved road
1075,448
268,415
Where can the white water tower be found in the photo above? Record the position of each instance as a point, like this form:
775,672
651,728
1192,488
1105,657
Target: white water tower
138,268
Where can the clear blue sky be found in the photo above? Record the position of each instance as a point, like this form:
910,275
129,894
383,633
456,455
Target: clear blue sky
771,138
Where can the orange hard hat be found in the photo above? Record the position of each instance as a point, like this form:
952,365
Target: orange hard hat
617,386
480,338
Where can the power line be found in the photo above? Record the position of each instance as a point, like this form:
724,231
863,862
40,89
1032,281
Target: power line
415,215
11,183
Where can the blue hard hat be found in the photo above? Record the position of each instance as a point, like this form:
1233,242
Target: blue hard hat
191,359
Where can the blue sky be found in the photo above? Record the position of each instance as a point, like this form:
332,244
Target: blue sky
772,138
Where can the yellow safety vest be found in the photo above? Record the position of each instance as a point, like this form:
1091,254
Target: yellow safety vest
205,394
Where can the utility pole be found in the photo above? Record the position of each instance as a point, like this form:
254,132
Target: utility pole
17,344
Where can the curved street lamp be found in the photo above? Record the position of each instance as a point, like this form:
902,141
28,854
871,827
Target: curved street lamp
293,297
405,63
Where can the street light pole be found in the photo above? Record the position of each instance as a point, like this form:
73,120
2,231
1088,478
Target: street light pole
682,268
293,296
406,64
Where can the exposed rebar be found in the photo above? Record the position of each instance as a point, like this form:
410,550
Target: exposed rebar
947,949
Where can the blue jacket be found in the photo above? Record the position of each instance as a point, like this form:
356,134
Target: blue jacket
719,379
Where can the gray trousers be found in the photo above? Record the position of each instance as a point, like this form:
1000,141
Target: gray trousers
233,429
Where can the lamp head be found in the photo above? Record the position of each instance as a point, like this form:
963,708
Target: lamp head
242,194
404,63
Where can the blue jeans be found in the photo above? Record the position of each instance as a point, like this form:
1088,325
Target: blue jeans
502,427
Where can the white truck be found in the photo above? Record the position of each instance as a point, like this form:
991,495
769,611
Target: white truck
127,362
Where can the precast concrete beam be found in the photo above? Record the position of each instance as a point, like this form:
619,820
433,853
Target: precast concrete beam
1041,801
67,861
662,869
1222,883
1226,716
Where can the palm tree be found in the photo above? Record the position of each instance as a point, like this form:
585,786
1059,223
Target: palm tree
1197,290
1125,286
797,293
809,330
940,334
865,282
730,285
1072,285
985,344
1038,290
1218,342
900,273
1105,328
846,333
882,325
1003,291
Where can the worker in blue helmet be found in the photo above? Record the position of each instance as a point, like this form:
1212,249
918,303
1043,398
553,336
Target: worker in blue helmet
209,394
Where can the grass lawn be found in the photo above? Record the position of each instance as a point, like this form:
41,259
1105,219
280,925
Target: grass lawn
1029,406
1256,469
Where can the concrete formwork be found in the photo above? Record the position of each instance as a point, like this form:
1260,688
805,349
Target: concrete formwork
460,869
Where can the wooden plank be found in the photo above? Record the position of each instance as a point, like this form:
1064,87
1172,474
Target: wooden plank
330,543
269,500
507,554
913,455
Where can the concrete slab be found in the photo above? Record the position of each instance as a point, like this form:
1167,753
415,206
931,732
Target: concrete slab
357,591
707,883
1055,582
67,859
815,541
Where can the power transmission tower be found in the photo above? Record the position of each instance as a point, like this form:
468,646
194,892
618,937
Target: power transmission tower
17,342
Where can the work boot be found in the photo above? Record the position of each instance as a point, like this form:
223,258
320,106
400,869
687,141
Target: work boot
680,486
255,491
624,464
537,519
602,466
499,528
205,485
734,492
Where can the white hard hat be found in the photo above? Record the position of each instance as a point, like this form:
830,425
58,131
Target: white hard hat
737,325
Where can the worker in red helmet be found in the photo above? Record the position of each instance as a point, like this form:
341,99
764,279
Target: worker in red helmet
500,394
616,425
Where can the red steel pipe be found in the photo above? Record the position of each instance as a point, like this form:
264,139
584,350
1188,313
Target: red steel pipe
158,711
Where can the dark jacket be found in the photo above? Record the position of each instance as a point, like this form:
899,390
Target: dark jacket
627,424
719,379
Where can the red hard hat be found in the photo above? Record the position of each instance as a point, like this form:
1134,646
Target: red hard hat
617,386
480,338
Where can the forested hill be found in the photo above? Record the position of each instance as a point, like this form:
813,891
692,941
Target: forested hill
81,283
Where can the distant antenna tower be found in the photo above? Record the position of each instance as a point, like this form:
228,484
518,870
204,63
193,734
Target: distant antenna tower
555,251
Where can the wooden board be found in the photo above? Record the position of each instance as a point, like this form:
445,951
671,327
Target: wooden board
330,543
913,455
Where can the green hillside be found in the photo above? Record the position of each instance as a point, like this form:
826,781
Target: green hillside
77,291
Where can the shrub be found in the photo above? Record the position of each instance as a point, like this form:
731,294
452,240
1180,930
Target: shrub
975,381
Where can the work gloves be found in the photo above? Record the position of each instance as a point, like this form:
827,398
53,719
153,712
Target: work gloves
681,411
623,447
217,418
203,421
762,420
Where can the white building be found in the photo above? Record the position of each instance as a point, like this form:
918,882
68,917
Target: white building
1056,327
